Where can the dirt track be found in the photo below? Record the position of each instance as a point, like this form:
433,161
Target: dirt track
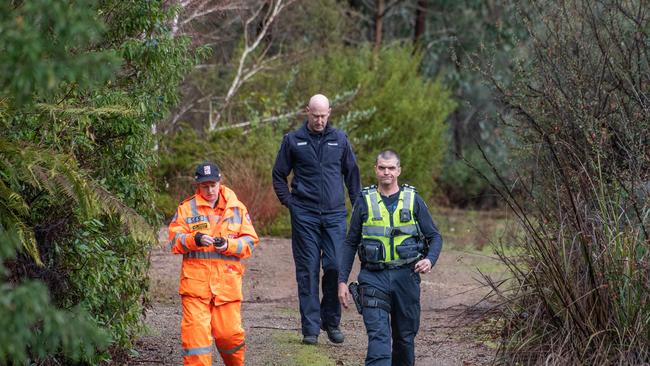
447,334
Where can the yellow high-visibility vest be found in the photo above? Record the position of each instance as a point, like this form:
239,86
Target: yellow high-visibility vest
391,230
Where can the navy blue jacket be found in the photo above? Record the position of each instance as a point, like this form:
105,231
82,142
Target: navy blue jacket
321,163
360,215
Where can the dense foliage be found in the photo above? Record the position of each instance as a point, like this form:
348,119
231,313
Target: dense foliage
80,90
580,110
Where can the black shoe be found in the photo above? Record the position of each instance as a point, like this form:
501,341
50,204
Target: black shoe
333,333
310,340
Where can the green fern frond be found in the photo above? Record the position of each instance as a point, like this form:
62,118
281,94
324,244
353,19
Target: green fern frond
14,210
60,177
19,234
12,201
136,225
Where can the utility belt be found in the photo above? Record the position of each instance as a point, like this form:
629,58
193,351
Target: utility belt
369,297
372,254
398,263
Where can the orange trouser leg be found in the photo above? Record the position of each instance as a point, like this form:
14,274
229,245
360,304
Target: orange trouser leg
228,332
195,331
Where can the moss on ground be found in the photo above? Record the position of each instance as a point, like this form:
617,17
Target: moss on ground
293,353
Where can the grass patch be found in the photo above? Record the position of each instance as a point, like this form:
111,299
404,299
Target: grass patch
292,352
465,229
474,230
280,227
289,312
485,259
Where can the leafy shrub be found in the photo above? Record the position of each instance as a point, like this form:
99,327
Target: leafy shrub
460,184
580,110
31,323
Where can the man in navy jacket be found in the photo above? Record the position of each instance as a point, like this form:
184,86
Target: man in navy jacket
322,161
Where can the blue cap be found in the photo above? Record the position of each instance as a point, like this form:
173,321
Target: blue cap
207,172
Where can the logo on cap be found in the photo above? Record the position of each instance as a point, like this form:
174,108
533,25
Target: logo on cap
206,170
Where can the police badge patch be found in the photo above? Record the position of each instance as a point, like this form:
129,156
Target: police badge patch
200,226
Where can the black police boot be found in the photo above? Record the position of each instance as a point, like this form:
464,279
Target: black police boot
333,333
310,340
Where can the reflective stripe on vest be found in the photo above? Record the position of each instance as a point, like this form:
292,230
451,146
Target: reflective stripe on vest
180,237
195,211
374,204
249,241
236,217
388,229
388,232
209,255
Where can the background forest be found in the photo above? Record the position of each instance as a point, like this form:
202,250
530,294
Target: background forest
540,107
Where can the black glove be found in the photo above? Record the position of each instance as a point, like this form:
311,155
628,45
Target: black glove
220,243
197,239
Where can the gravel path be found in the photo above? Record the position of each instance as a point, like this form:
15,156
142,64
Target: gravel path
449,331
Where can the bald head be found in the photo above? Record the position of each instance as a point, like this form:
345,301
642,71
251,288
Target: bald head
318,113
319,101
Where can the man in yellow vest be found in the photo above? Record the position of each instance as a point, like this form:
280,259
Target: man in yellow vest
397,240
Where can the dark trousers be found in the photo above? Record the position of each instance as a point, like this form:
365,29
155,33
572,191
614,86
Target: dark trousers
315,238
401,325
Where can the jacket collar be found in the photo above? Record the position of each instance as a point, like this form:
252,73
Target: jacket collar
303,132
227,198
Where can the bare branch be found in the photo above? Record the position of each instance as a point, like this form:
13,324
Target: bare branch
180,113
263,120
240,76
193,10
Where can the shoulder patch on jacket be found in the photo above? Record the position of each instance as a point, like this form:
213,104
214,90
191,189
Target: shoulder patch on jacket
409,186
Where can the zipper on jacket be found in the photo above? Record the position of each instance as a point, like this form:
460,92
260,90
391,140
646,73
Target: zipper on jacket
320,166
391,241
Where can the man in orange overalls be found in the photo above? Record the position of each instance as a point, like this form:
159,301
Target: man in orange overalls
213,232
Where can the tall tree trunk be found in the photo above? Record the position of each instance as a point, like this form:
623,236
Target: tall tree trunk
420,21
457,133
379,15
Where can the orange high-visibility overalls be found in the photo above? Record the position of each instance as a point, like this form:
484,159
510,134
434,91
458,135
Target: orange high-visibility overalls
211,281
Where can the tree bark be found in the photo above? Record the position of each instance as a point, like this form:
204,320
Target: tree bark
420,21
379,15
